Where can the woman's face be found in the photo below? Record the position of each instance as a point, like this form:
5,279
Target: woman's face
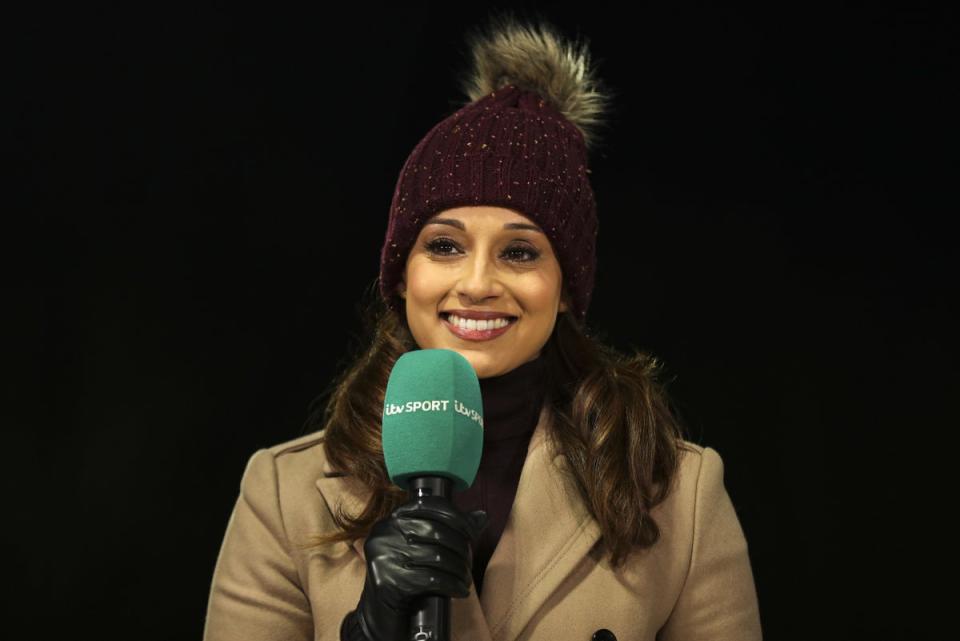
483,259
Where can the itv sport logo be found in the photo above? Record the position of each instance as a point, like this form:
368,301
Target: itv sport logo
392,409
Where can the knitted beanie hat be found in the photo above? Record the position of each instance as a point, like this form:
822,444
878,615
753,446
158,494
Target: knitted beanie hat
520,142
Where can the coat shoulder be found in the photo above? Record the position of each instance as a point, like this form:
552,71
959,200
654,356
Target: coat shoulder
298,444
699,466
298,465
691,458
304,456
690,446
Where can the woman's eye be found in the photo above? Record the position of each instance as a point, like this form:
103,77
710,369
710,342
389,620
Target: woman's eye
516,253
438,245
520,250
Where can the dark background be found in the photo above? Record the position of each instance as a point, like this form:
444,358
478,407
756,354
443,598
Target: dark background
198,201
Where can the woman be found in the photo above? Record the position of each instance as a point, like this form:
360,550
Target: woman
591,517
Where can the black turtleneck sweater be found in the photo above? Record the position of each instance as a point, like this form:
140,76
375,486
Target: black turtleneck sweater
511,407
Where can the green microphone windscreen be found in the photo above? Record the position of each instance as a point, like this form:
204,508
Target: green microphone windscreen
433,418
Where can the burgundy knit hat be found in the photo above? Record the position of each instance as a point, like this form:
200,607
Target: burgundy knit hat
520,143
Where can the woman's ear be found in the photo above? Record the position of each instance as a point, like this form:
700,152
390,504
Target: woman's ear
402,289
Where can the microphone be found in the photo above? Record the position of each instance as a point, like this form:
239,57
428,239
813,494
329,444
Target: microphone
432,443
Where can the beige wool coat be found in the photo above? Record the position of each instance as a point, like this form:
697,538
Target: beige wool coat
546,580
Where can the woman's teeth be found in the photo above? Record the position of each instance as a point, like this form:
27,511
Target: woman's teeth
472,323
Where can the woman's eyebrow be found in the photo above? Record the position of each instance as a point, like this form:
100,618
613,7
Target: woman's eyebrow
453,222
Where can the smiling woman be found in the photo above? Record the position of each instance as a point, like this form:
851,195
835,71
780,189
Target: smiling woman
590,516
483,281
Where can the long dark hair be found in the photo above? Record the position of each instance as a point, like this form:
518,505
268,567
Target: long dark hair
611,419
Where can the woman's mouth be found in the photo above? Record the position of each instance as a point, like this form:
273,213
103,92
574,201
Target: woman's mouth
474,330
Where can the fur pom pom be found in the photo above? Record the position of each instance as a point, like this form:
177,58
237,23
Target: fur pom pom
536,57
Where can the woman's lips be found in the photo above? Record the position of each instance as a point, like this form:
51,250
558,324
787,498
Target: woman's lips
476,334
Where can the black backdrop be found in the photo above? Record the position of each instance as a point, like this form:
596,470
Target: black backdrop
198,202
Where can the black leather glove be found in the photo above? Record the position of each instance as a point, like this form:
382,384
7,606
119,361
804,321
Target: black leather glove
425,547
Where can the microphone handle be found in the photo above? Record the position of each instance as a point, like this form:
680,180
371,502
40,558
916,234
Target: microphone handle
430,620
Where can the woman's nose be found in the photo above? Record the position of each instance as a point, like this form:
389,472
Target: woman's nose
479,279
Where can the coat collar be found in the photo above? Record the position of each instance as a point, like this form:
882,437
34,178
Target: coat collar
549,531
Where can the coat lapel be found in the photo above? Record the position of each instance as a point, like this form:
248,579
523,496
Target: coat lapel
548,532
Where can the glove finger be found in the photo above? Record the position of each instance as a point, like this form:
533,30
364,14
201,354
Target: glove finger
439,510
438,560
447,585
418,580
418,531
